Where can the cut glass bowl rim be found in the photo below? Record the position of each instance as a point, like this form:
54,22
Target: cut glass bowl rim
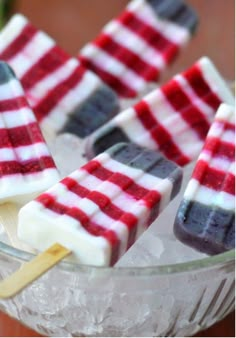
216,261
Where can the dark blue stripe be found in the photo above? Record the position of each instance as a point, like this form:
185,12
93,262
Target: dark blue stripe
207,229
176,11
106,138
99,108
149,161
6,73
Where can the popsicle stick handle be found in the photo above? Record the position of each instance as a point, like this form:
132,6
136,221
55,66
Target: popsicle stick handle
32,270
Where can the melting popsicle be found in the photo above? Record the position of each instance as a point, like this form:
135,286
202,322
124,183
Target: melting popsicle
100,210
173,119
133,49
206,216
64,95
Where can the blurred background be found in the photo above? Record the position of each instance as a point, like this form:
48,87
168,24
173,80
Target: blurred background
72,23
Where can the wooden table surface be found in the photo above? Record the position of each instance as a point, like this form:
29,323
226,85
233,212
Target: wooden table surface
73,23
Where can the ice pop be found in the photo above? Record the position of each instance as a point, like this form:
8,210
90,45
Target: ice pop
65,97
26,166
173,119
102,208
206,216
133,49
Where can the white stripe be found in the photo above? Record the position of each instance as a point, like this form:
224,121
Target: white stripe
94,213
65,196
202,194
140,177
125,37
16,118
132,126
215,81
11,90
11,31
36,47
113,66
24,153
175,125
220,163
90,181
75,96
119,197
228,137
172,121
232,168
41,89
188,142
218,131
163,186
170,30
118,167
7,154
225,201
196,101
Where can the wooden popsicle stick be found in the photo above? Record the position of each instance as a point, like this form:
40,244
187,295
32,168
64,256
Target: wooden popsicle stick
32,270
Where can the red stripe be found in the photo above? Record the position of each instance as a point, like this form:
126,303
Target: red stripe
159,134
155,39
127,57
229,184
195,78
20,136
228,126
15,103
106,205
26,167
176,96
55,95
91,227
213,178
74,187
19,42
114,82
219,148
49,62
123,182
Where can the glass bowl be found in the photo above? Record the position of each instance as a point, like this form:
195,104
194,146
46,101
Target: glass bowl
170,300
162,288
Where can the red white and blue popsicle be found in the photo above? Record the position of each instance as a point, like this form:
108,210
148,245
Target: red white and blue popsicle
100,210
206,216
64,96
133,49
26,166
173,119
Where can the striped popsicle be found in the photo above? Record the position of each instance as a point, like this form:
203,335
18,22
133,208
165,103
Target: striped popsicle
26,166
133,49
100,210
64,95
173,119
206,216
